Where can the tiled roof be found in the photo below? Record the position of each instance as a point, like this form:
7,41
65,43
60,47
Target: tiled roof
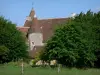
27,23
23,29
47,26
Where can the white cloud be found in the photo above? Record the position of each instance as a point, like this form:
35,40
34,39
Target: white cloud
98,8
73,14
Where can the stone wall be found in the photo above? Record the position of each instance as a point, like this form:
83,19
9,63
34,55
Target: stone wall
35,39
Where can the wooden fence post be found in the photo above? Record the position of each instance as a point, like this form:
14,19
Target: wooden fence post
58,68
22,66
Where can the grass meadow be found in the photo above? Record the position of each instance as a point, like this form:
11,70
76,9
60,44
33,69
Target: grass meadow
15,69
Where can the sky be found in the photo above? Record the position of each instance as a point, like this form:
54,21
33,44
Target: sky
17,10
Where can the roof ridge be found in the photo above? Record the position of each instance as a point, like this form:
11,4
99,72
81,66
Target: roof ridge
22,27
52,18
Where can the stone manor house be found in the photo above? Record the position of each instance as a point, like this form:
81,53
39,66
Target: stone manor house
37,31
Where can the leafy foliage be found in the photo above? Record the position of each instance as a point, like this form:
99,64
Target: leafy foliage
77,42
3,54
12,39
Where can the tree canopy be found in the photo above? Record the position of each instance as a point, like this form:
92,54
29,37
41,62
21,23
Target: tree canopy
76,43
12,39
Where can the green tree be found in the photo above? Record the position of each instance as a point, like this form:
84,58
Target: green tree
75,43
13,39
96,23
3,54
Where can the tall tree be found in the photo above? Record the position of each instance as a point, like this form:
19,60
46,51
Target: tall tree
12,39
75,43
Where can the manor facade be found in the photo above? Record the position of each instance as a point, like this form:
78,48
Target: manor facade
37,31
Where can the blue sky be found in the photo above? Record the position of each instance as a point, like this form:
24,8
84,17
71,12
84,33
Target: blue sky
17,10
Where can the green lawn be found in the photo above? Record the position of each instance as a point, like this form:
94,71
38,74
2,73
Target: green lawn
10,69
